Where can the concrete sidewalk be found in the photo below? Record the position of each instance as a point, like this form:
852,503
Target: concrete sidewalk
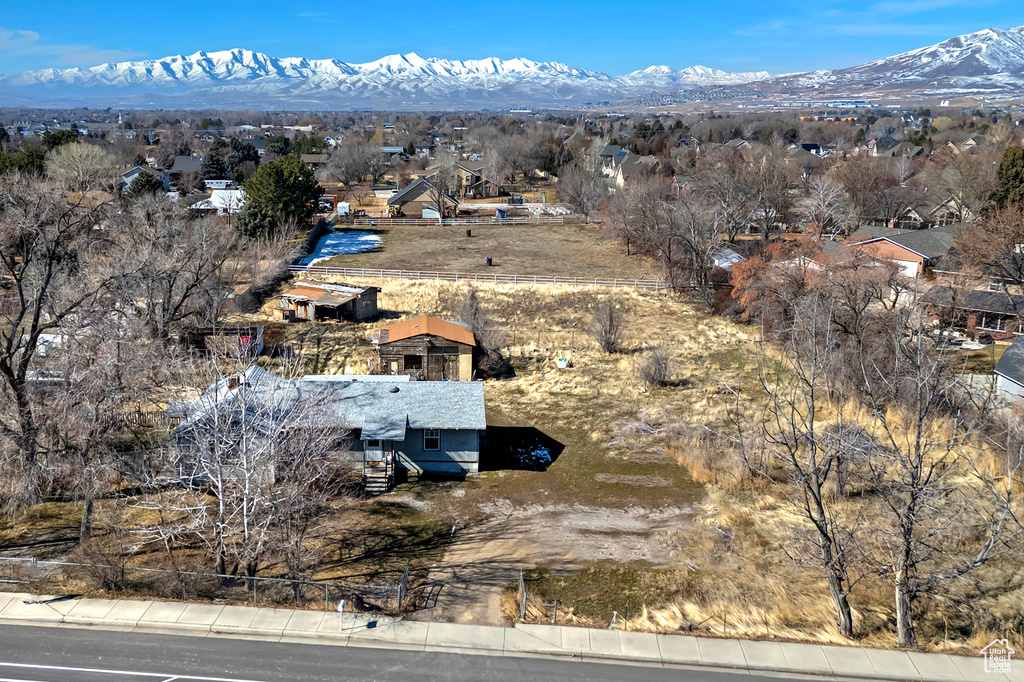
363,630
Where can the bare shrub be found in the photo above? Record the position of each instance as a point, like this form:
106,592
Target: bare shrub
707,453
606,328
654,368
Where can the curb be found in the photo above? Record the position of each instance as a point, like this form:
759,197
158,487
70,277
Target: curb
530,641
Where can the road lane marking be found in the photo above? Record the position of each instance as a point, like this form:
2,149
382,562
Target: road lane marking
164,677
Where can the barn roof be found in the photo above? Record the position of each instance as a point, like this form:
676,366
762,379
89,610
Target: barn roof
406,329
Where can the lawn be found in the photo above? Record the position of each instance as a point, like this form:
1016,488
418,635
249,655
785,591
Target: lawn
567,250
982,361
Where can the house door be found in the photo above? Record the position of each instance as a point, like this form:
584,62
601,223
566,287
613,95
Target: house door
374,453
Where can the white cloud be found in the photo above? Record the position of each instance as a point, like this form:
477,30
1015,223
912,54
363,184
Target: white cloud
904,7
893,29
23,44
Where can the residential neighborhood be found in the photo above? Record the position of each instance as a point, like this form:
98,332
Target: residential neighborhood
526,359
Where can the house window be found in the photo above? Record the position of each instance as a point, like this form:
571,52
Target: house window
431,439
992,322
995,286
372,444
414,362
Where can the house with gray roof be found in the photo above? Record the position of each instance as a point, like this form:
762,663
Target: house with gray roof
419,199
395,425
913,250
1010,372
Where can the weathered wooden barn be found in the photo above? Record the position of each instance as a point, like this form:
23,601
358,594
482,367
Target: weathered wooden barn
316,300
427,348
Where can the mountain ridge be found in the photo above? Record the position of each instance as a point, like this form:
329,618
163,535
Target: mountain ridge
990,61
237,73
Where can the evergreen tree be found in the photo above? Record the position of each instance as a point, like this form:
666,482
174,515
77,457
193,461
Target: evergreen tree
1011,178
241,152
281,191
145,183
58,138
214,168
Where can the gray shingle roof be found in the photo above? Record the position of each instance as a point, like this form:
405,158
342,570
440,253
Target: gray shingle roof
979,300
1011,364
377,407
932,243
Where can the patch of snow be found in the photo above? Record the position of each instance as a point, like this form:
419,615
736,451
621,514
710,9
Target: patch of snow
339,243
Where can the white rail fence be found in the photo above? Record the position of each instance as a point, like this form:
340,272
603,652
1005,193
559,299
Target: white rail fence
498,278
455,222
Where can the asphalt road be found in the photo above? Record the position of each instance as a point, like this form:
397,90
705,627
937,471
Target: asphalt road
51,654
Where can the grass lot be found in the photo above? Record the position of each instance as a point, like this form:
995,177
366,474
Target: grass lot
586,414
982,361
566,250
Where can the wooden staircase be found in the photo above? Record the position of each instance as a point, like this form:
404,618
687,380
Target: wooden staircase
378,480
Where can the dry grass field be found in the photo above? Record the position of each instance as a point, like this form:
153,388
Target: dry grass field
583,489
566,250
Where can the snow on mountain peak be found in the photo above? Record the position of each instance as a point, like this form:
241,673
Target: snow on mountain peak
238,73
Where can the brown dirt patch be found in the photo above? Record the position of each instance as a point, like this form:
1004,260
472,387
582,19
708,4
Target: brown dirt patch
645,481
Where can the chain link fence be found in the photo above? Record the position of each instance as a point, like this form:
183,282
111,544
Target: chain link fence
17,573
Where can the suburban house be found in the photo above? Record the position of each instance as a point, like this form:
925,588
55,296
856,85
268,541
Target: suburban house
132,173
631,166
221,201
419,199
977,312
914,250
906,149
314,161
317,301
949,211
427,348
470,181
1010,372
181,166
395,425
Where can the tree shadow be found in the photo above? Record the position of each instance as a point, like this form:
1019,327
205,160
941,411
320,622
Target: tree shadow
522,448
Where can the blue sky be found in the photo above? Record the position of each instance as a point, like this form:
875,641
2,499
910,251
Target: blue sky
605,35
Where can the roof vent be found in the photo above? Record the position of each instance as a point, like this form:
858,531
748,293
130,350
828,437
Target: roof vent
394,389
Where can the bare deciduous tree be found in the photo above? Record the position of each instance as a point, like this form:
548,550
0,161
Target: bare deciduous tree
606,327
800,390
80,167
828,209
171,265
50,272
582,189
939,525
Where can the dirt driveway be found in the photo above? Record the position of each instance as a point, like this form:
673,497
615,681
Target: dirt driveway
483,559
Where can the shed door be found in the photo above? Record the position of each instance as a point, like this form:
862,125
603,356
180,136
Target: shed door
451,367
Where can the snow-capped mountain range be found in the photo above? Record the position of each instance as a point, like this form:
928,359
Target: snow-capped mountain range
238,77
989,60
985,62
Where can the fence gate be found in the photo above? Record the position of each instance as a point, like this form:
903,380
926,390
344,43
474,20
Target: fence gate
403,589
523,603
